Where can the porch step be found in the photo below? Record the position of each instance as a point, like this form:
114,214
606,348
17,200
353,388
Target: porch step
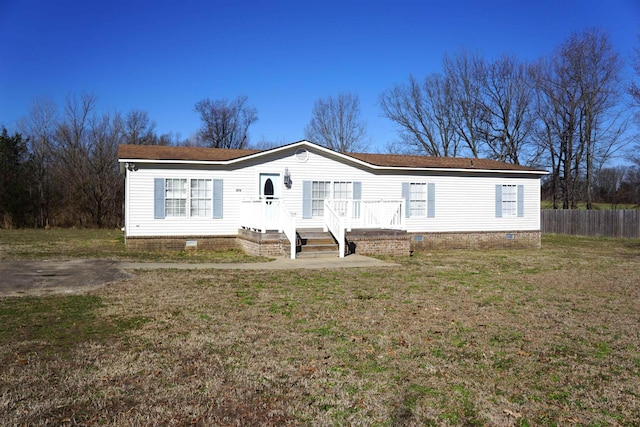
332,254
314,243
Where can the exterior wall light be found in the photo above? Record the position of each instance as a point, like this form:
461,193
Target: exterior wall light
287,178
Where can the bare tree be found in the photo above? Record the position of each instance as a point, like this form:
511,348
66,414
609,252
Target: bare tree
506,125
70,156
607,185
465,73
138,129
336,123
579,126
86,164
424,115
601,130
39,127
225,124
102,188
632,185
634,91
634,87
473,108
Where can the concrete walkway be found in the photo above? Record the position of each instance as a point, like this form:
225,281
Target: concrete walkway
279,264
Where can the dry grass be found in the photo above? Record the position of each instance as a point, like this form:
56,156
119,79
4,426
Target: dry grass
57,243
530,337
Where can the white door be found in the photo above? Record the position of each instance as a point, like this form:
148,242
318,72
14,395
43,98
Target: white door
270,191
269,186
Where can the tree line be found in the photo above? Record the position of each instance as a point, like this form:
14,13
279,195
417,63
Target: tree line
60,169
566,113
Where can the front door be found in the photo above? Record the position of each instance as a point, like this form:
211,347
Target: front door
270,192
270,186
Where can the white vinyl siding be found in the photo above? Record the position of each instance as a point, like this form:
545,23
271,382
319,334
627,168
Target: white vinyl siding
459,202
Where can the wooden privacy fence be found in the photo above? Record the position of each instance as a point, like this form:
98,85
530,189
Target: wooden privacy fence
606,223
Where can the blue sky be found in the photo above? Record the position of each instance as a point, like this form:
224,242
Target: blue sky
164,56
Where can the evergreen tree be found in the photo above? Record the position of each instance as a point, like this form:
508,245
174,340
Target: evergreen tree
15,203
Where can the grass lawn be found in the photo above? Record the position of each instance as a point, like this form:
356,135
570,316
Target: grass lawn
521,337
38,244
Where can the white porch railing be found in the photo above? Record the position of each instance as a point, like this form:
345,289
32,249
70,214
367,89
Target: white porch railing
334,222
370,213
288,224
340,216
262,215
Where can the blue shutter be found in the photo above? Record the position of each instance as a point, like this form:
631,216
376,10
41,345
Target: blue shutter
306,200
431,200
217,198
357,190
498,201
521,200
406,194
158,198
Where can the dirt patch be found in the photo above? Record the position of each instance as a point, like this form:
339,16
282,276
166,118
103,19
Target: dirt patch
47,277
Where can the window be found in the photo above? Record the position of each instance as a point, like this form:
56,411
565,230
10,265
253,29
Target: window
201,196
175,192
319,191
182,198
315,192
342,190
509,200
417,199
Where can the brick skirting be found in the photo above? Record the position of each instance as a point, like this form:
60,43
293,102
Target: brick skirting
476,240
379,242
181,243
363,242
262,244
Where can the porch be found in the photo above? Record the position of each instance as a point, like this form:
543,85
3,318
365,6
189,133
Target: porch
342,220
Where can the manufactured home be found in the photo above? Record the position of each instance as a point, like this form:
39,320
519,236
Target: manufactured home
303,199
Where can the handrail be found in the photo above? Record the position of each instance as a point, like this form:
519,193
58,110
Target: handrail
335,224
257,215
288,225
368,213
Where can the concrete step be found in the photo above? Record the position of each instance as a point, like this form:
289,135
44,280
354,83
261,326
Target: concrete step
317,241
322,254
311,233
319,247
313,243
327,247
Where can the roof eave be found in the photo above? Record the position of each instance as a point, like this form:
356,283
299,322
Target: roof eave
375,167
332,153
175,162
